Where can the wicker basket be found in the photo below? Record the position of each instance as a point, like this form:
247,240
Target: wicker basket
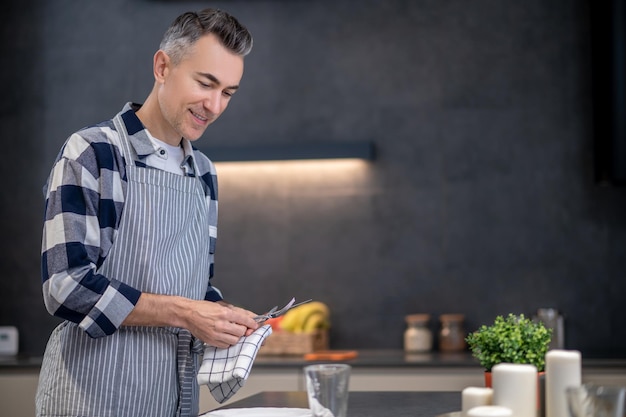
288,343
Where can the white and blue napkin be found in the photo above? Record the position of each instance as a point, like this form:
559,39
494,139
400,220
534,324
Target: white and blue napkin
225,370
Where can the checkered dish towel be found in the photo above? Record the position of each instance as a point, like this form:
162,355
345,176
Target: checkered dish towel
226,370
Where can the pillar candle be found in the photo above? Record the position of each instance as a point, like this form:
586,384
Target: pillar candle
515,387
563,369
475,396
490,411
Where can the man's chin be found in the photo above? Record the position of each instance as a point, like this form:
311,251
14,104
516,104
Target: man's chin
194,135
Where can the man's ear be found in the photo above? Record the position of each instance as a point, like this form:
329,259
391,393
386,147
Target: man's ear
161,65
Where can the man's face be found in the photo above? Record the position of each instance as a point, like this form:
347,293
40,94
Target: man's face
195,92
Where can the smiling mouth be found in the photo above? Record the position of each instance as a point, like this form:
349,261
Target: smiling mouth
199,117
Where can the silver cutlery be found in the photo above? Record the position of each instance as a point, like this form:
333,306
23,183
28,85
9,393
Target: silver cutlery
273,313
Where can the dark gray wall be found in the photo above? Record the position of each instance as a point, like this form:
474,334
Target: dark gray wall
481,201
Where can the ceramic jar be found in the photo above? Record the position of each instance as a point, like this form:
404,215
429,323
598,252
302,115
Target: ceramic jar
417,336
452,333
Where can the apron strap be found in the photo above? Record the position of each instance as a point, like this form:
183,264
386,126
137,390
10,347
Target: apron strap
124,143
189,348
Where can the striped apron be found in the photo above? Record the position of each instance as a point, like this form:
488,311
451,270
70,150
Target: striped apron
162,247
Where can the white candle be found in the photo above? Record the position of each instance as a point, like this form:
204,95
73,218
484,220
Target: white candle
475,396
490,411
515,387
563,369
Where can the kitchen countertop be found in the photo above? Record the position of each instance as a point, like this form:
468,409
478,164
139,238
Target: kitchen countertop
367,358
365,404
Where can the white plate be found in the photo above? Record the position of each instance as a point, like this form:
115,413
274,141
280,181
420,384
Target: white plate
260,412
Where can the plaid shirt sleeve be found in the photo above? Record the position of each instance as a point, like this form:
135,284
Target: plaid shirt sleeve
84,199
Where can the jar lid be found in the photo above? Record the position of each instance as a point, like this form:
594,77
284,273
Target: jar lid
417,318
452,317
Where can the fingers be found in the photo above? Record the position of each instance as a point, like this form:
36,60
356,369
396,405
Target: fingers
225,340
244,317
227,332
221,324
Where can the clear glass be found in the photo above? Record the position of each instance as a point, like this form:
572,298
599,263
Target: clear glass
551,318
590,400
327,389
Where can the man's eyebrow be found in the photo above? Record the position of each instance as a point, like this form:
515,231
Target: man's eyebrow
216,81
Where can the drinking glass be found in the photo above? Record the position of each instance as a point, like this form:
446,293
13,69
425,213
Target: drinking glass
327,389
590,400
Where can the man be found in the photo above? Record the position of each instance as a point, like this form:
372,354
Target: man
129,237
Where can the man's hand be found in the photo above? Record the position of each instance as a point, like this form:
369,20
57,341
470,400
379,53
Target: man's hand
218,324
221,324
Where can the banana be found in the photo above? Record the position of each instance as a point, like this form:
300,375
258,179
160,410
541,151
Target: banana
312,307
308,312
290,320
315,320
296,319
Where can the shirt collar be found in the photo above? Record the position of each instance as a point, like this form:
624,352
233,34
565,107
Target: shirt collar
138,137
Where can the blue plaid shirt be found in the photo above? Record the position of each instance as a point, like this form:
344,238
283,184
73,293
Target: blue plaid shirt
85,195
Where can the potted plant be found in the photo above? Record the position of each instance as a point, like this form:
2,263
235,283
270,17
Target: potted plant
511,339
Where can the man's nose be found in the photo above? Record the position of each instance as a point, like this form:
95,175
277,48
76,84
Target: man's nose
213,102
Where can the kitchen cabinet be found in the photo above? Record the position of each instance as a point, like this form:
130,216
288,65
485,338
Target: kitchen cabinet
17,393
362,379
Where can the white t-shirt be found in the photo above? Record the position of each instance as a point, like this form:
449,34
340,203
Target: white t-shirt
167,157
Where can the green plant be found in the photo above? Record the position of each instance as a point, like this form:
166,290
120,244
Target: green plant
514,339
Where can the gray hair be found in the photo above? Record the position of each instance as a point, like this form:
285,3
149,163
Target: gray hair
190,26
